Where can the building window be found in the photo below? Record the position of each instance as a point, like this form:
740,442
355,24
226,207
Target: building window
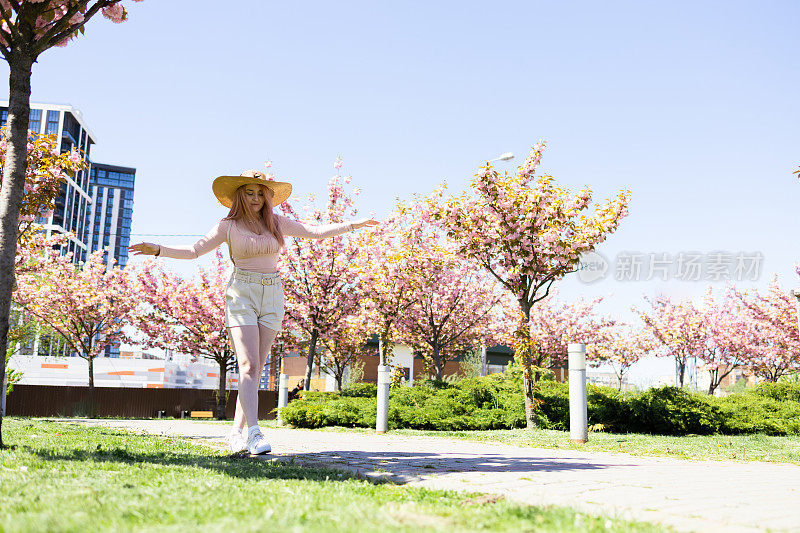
52,123
3,117
35,122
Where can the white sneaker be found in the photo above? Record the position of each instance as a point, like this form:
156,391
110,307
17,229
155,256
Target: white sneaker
236,441
256,443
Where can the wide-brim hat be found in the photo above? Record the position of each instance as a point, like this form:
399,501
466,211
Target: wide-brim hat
224,187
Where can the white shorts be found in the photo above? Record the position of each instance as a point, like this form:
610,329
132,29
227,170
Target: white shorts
252,298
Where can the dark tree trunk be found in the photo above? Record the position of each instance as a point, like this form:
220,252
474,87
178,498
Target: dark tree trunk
312,351
681,372
384,347
222,400
529,380
438,364
13,183
92,407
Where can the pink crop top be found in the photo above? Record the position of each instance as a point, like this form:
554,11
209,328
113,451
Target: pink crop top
250,251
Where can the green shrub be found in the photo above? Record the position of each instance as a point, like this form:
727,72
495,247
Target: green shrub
753,412
782,391
674,411
496,402
361,390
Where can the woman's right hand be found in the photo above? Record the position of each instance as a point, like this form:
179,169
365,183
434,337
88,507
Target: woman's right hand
145,248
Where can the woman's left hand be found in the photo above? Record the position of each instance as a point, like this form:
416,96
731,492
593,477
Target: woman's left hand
365,222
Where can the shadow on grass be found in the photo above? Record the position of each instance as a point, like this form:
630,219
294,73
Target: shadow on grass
234,466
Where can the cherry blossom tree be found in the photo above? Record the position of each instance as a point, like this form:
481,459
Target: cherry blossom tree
321,284
386,251
449,310
553,324
528,233
46,170
677,329
27,29
87,304
619,346
774,317
451,313
731,337
187,315
346,343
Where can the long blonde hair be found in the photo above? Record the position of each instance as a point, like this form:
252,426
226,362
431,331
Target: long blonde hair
241,211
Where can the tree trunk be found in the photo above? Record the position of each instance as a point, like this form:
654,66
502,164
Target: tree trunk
529,381
312,351
92,408
681,372
222,400
12,186
438,366
384,346
339,377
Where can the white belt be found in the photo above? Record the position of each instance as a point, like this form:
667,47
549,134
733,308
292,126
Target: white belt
255,277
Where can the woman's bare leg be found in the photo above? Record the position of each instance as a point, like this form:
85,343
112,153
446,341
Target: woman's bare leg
266,337
245,340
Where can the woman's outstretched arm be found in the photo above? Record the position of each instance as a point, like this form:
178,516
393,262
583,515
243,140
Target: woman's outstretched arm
214,238
293,228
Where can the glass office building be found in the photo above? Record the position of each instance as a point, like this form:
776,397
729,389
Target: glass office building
72,203
96,205
109,219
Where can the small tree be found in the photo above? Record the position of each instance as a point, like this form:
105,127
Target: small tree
346,344
619,346
731,338
320,279
678,330
86,304
774,317
187,315
527,233
29,28
387,287
452,300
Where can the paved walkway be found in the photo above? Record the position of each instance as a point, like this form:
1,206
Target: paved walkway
689,495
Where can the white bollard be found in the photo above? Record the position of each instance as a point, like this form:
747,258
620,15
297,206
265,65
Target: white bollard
384,380
283,392
578,415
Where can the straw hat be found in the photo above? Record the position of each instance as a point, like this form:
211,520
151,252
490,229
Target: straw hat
224,187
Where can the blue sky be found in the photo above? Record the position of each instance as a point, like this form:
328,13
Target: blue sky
693,106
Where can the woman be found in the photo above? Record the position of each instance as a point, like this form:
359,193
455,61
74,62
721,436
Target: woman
254,295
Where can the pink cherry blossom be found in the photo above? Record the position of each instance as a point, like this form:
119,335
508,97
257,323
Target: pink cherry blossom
528,233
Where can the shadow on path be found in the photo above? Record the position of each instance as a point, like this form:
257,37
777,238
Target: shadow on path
420,463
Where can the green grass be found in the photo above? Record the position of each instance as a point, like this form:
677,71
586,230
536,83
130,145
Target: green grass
69,477
695,447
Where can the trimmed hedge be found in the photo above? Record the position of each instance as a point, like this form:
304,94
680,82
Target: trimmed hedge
496,402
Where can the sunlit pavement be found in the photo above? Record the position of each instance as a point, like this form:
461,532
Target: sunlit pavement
688,495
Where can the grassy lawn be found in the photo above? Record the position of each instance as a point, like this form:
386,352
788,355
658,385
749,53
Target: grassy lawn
64,477
699,447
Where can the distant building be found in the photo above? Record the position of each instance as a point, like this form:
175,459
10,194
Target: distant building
94,206
72,203
109,220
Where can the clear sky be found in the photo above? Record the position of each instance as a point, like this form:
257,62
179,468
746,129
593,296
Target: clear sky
692,105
